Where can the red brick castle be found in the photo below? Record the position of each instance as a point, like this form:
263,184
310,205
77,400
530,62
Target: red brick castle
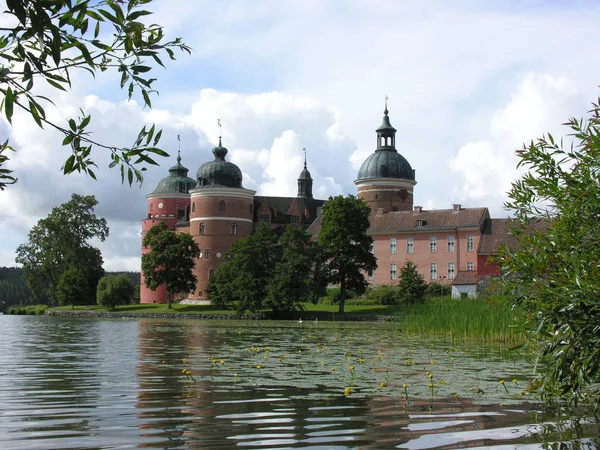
448,246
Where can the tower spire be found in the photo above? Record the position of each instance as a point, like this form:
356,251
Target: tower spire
179,149
305,181
220,129
304,158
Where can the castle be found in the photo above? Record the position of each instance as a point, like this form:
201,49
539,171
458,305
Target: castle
450,246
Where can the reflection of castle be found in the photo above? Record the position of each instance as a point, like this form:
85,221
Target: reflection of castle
448,246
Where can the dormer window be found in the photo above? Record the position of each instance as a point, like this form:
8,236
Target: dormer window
420,223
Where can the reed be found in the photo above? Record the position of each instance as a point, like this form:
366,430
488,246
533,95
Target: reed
485,318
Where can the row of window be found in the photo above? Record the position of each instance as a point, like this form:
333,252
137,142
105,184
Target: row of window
220,206
202,228
410,245
433,273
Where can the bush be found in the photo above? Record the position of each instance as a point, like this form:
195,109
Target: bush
332,296
29,310
412,285
438,290
384,294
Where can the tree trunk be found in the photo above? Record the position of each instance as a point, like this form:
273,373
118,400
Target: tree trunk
342,295
168,300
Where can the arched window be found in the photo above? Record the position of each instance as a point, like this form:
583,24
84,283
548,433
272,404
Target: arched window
193,206
202,228
221,205
234,228
250,208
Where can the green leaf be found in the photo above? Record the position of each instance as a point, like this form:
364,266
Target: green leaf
8,104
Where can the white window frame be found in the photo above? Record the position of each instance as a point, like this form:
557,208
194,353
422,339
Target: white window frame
392,245
432,244
470,242
433,271
370,275
451,272
450,244
470,266
392,271
410,245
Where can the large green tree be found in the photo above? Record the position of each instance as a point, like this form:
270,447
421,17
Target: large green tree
345,244
292,281
554,272
45,42
243,278
60,242
170,261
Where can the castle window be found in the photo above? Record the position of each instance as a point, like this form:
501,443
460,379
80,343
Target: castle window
470,242
372,247
151,206
376,196
433,271
207,254
211,273
264,217
410,245
451,271
234,228
202,228
193,206
250,208
432,244
450,244
393,245
420,223
221,205
392,271
370,275
294,220
470,267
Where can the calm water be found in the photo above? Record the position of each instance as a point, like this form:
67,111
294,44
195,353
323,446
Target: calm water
79,383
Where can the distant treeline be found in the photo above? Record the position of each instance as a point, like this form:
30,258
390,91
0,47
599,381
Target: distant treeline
14,291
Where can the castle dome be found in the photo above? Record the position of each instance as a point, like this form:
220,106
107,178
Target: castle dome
177,182
386,162
219,173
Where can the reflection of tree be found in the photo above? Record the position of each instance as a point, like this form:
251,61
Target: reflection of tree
163,391
55,373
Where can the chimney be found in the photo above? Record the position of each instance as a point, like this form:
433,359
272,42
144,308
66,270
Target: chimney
417,209
456,207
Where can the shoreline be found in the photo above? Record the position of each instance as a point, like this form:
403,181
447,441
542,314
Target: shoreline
233,316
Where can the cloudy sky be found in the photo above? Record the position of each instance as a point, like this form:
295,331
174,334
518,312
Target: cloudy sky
468,82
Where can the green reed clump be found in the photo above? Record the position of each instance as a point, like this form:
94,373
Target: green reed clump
29,310
490,318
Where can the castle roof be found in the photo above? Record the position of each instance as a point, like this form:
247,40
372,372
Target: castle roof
496,233
177,182
218,172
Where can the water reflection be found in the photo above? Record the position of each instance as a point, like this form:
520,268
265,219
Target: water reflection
68,383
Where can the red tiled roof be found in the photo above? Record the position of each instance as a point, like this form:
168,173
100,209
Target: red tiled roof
496,233
468,277
430,219
438,219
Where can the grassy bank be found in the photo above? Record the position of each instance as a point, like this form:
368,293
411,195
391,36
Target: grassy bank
456,319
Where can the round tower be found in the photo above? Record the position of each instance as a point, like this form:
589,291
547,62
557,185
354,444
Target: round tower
221,212
167,203
386,179
305,182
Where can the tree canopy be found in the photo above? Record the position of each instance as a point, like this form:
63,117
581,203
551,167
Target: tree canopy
45,42
345,245
170,261
554,272
114,290
59,243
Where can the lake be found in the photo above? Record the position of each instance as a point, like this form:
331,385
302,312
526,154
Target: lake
104,383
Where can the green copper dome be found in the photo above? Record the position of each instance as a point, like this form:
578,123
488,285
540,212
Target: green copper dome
177,182
219,173
386,162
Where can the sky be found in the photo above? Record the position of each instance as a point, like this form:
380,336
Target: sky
468,82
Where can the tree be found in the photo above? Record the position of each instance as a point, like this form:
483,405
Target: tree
553,273
292,283
72,288
48,41
412,285
114,290
345,245
170,261
244,275
59,243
